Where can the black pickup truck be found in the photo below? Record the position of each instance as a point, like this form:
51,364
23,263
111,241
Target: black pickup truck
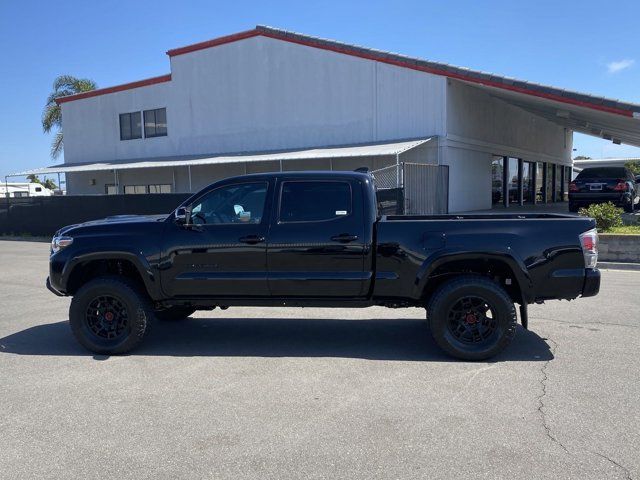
316,239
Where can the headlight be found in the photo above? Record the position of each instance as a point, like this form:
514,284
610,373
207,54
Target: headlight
58,243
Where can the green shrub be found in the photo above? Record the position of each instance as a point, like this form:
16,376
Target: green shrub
606,215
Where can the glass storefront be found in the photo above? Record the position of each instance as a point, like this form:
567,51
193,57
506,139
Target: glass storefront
516,182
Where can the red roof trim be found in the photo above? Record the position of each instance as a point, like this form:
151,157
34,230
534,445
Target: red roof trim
214,43
116,88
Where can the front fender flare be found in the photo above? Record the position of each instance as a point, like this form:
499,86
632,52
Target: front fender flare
138,260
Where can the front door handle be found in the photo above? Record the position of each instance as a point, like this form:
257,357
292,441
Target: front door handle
251,239
344,238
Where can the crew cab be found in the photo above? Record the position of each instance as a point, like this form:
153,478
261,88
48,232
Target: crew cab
316,239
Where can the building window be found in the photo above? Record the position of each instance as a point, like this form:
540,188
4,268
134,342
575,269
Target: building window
135,189
130,126
163,188
110,189
155,123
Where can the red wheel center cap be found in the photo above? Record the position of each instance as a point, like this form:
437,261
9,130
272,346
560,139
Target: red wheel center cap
471,318
108,316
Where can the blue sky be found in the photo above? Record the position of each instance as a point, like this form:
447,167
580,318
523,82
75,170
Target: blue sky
587,46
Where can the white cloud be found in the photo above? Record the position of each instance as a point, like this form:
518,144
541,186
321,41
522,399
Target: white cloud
615,67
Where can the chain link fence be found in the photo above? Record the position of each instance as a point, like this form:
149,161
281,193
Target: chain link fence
413,189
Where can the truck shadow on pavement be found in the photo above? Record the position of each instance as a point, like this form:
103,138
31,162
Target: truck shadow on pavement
374,339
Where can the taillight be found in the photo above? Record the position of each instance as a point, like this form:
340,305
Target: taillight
589,244
573,187
621,186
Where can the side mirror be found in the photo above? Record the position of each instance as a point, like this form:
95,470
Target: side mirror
182,216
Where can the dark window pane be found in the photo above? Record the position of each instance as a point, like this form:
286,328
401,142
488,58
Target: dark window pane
125,126
314,201
497,166
528,188
136,125
540,182
549,179
149,123
512,179
161,121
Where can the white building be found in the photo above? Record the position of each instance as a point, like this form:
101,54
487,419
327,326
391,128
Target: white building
268,99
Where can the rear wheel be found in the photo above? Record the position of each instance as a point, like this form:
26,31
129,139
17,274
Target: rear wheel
110,315
472,318
174,313
573,207
629,207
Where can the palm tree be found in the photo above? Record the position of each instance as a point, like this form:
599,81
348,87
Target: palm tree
52,115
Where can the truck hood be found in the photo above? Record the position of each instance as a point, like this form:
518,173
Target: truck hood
114,221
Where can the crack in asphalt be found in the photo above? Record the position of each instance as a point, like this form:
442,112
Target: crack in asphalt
542,405
621,467
606,324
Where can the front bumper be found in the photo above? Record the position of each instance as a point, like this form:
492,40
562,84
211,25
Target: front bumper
591,285
53,290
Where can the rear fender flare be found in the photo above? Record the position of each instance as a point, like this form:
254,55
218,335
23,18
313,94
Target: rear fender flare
439,259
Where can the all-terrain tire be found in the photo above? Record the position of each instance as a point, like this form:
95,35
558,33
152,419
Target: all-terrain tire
173,314
494,330
91,316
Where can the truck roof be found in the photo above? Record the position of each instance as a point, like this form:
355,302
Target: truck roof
311,174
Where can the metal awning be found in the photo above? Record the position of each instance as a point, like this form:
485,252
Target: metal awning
361,150
579,118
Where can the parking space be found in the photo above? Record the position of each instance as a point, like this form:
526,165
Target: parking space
317,393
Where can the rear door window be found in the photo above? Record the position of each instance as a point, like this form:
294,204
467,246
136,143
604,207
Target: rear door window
314,201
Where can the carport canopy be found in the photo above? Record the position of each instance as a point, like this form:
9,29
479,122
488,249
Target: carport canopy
394,148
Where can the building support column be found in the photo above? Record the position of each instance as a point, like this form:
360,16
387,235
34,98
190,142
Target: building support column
115,181
190,187
173,173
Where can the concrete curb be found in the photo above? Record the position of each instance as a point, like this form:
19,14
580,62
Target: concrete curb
619,266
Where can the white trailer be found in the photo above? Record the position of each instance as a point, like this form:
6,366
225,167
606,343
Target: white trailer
24,189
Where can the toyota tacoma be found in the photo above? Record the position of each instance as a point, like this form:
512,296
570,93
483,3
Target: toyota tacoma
317,239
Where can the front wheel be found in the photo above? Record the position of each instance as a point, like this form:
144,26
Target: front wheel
110,315
472,318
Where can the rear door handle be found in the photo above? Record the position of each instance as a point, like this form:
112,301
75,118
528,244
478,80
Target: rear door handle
344,238
251,239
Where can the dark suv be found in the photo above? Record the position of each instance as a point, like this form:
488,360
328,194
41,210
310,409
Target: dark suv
604,184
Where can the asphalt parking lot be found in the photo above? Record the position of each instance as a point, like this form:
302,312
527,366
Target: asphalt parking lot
317,393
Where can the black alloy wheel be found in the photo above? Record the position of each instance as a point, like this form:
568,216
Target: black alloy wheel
472,320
